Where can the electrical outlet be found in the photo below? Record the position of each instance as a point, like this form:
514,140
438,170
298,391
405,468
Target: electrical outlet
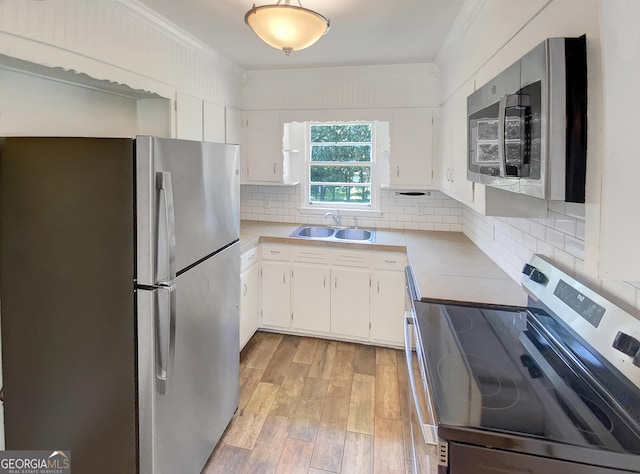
420,207
267,202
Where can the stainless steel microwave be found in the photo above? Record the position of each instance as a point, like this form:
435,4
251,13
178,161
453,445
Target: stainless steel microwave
527,127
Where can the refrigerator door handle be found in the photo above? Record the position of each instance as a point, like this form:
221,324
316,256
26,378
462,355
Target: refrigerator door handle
165,329
166,231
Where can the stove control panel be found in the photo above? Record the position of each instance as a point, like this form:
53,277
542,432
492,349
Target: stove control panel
588,309
613,332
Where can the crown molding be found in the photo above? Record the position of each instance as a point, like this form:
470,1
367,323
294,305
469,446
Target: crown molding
461,25
152,18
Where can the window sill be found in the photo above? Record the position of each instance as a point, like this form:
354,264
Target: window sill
349,212
269,183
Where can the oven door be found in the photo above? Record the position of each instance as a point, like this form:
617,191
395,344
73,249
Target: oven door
424,436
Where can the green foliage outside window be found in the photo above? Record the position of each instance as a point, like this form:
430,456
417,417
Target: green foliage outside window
340,168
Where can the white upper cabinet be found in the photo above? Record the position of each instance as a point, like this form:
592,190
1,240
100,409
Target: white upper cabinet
213,121
452,146
189,119
411,151
198,119
262,156
233,125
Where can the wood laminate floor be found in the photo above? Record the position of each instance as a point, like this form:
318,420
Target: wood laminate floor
311,405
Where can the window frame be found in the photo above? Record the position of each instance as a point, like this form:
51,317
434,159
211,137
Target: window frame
373,204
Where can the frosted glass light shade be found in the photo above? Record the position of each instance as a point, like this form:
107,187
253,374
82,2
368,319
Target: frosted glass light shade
286,27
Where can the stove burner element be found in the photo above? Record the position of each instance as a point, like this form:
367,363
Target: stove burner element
495,387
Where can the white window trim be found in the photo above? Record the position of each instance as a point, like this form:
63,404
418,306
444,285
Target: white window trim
365,210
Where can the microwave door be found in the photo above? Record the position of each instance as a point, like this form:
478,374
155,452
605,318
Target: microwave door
514,135
483,141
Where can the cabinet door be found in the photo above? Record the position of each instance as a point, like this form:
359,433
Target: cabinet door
188,117
249,303
461,187
263,157
350,302
411,147
276,294
444,146
213,125
387,307
233,125
311,297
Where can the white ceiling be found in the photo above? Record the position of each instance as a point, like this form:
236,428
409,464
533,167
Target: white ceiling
363,32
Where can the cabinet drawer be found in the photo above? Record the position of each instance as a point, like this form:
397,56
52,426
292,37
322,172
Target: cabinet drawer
351,258
271,251
309,254
389,260
248,258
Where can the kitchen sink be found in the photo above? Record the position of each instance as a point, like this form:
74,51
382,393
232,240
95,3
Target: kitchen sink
313,232
332,234
355,234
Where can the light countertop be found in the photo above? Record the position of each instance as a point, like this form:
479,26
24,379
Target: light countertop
447,265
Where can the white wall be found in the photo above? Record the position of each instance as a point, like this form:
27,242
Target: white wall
33,105
358,87
118,41
490,37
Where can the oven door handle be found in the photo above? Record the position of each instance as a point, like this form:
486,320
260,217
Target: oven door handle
429,432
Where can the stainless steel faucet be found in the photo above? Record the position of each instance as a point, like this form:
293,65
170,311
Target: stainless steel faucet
336,217
355,221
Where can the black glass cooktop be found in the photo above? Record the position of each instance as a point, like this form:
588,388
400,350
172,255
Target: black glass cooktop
521,372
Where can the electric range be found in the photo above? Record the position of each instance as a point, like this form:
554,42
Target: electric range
551,387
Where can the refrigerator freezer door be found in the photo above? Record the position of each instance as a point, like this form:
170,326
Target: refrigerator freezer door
179,429
66,284
205,182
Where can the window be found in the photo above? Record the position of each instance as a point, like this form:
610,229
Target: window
340,164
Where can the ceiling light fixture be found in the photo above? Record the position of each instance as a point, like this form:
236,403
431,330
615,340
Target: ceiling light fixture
287,27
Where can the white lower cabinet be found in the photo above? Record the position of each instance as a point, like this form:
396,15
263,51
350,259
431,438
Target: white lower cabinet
310,297
249,294
388,297
249,303
350,302
347,293
387,307
276,294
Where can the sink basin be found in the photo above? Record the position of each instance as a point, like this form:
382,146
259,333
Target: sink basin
354,234
332,234
313,232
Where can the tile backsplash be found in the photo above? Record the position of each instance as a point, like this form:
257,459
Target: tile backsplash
510,242
433,211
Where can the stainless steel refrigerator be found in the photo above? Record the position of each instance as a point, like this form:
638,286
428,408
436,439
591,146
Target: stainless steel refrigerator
119,294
